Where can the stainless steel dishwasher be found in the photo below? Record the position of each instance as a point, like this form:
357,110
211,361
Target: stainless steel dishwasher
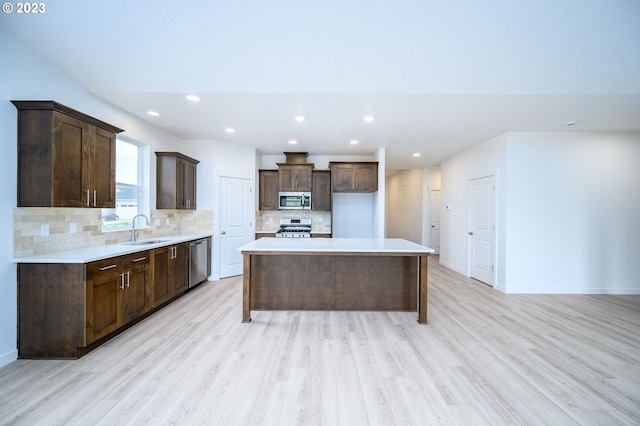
200,261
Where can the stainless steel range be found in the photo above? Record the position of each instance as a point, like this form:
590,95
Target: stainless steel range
294,228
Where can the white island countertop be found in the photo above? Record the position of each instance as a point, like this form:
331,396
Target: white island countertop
334,245
91,254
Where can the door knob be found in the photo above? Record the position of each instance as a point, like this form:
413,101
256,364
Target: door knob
224,232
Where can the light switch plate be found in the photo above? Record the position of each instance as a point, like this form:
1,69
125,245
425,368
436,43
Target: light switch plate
44,230
157,222
72,227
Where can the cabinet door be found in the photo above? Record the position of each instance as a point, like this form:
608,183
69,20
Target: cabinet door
285,179
294,177
268,181
104,304
181,198
71,138
189,185
366,177
137,291
321,192
302,178
179,269
162,290
102,168
342,178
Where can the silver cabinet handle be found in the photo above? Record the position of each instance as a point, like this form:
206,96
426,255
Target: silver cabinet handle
140,259
88,205
94,198
122,281
104,268
128,278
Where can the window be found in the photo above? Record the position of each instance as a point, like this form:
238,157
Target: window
128,187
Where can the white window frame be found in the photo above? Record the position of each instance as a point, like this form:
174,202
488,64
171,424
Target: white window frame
143,185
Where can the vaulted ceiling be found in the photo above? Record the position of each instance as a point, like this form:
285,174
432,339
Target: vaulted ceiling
437,76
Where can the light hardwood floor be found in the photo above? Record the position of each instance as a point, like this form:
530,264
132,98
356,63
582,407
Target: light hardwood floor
485,358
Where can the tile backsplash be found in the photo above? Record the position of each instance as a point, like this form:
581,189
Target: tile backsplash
269,220
27,222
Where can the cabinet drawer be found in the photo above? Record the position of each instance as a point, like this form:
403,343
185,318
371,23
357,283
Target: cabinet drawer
136,259
105,266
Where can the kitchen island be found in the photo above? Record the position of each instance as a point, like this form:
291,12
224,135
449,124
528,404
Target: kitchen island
349,274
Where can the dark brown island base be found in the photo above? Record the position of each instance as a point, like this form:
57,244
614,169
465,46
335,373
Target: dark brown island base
344,274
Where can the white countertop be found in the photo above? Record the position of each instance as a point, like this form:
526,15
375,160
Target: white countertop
335,245
91,254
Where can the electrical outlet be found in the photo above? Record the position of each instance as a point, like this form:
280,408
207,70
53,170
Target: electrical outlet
72,228
157,222
44,230
167,221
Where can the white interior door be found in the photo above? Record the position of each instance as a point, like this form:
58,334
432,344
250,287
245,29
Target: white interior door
482,229
434,215
235,223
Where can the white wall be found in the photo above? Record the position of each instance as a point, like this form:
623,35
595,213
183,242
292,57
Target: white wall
217,160
405,207
431,179
489,158
567,211
574,209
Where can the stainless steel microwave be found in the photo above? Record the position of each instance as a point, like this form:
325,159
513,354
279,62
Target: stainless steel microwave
294,201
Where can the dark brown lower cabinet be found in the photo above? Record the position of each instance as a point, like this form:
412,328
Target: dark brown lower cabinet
66,310
179,268
170,272
161,287
104,305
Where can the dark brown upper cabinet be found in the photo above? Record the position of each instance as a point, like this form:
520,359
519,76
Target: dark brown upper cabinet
354,177
295,177
175,181
321,192
65,158
268,189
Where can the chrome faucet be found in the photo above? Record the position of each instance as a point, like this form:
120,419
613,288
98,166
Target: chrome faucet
133,225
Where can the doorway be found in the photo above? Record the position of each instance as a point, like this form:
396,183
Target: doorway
235,223
482,221
434,220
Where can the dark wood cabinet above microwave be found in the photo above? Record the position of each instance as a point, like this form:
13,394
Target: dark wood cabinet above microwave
65,158
294,177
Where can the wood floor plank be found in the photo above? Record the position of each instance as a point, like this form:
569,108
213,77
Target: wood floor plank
484,358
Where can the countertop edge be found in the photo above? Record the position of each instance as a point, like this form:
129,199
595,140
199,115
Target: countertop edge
338,246
92,254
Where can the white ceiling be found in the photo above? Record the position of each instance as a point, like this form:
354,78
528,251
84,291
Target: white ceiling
439,76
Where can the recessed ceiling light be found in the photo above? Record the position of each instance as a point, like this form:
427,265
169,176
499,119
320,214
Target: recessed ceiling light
230,130
354,142
193,98
300,118
368,118
153,113
293,142
416,154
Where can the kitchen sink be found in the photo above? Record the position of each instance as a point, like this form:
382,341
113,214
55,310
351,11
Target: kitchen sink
145,242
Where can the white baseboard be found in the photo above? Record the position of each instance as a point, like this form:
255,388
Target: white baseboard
8,357
453,268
